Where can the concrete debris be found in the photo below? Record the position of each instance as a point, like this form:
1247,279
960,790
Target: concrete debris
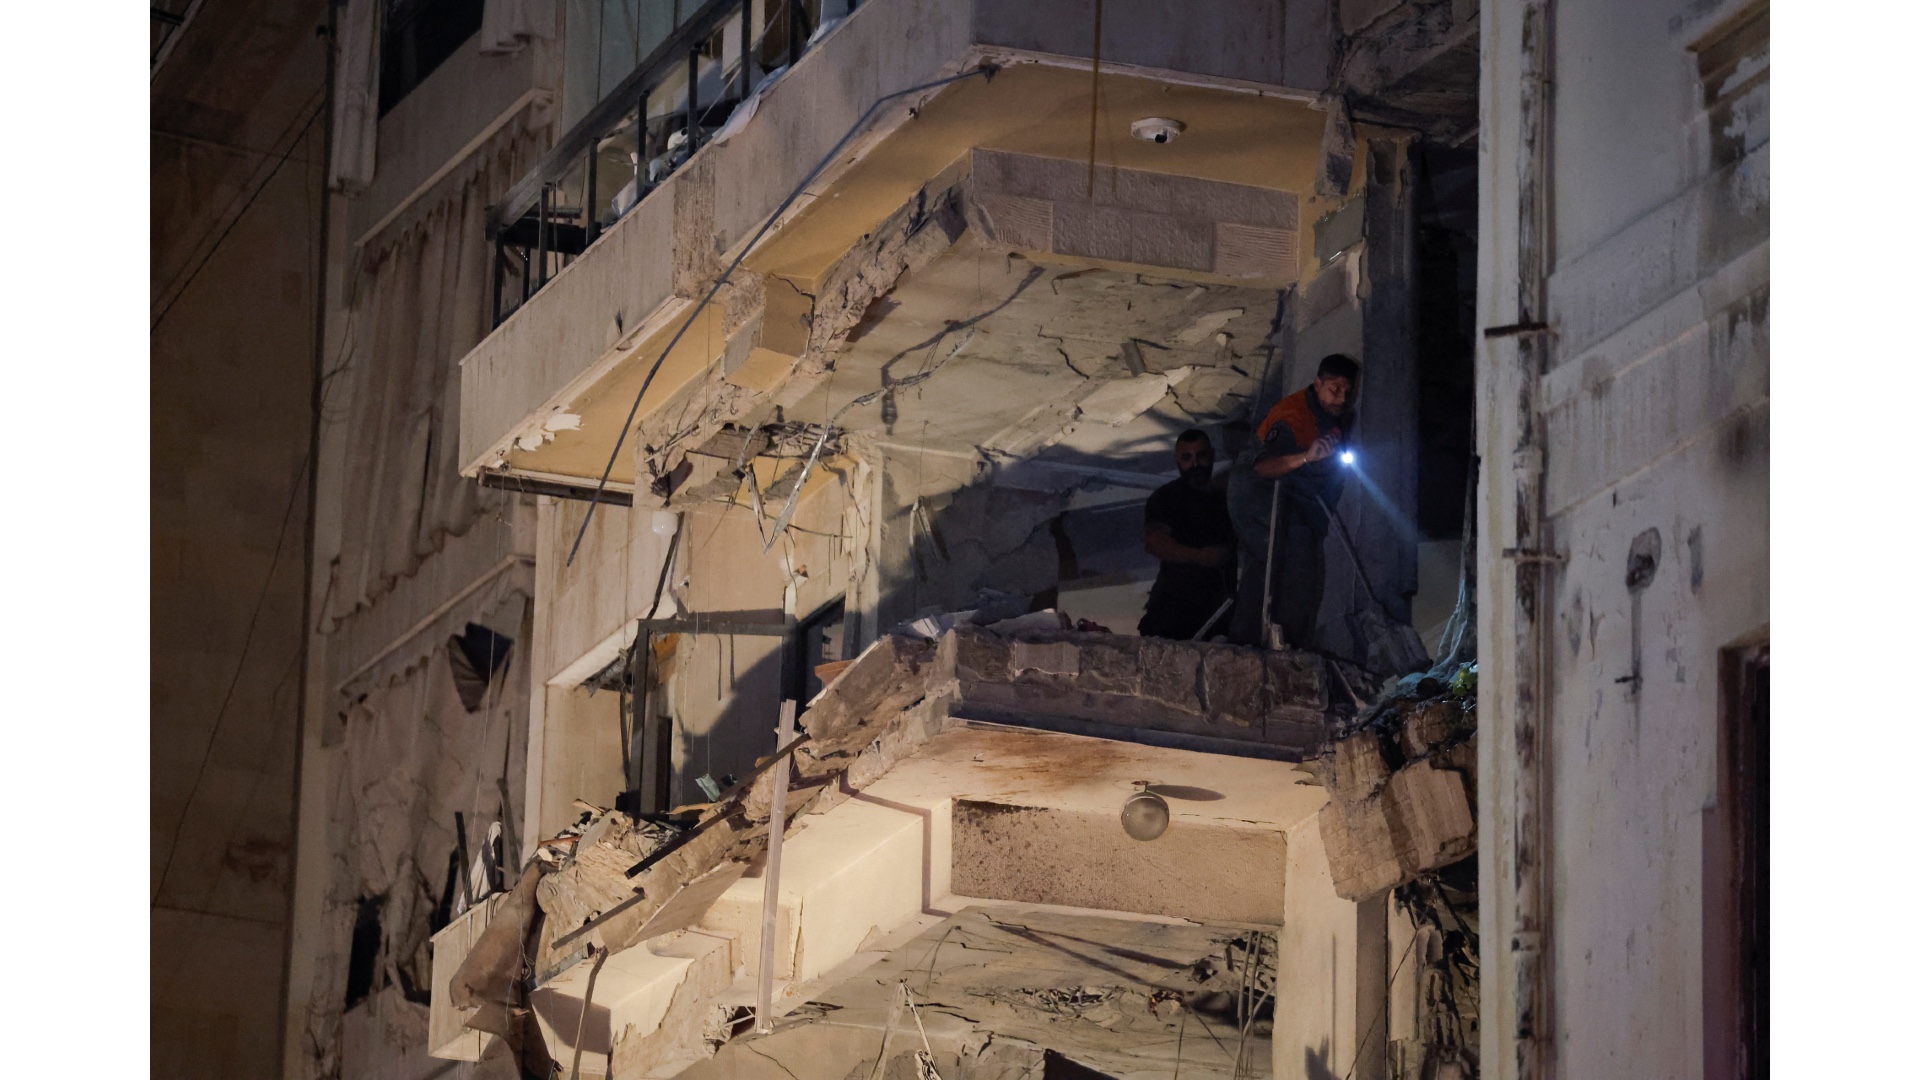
593,876
883,681
485,980
1003,995
1124,687
1400,784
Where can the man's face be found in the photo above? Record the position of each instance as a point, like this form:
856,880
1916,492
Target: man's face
1195,460
1333,391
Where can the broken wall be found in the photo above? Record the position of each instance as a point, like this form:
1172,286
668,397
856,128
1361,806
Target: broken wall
1654,409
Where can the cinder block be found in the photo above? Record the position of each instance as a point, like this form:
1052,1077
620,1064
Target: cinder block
1110,664
1234,681
1360,851
1170,674
1359,769
1428,812
1045,657
1429,724
1296,679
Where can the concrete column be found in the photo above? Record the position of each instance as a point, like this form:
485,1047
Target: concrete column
1383,512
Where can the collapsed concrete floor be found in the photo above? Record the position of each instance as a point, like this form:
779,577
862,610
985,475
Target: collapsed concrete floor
1000,992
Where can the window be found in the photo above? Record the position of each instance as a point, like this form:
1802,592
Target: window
416,37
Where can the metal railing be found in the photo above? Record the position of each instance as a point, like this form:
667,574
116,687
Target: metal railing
674,100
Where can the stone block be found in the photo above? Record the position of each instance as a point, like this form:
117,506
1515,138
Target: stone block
979,656
1359,769
1428,813
890,675
1110,664
1234,684
1360,851
1170,674
1296,679
1430,724
1302,730
1044,657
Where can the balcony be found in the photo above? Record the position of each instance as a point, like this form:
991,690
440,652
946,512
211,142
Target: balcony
602,293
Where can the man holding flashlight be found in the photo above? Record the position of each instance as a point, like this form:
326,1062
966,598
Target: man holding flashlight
1301,446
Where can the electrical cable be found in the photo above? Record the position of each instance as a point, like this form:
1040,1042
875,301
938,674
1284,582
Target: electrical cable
318,108
813,174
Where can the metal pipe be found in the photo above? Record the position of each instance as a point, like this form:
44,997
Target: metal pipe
770,903
499,275
593,196
1266,592
1531,705
693,100
540,232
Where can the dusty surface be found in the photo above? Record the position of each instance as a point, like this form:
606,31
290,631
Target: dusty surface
997,992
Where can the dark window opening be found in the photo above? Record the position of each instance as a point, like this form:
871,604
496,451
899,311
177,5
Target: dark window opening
1445,204
476,656
1735,872
418,36
819,639
364,958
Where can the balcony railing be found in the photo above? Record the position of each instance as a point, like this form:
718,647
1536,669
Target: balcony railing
675,99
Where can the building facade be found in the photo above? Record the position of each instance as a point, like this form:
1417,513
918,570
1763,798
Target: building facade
684,361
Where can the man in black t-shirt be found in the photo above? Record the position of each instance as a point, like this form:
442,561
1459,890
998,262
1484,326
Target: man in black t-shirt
1189,531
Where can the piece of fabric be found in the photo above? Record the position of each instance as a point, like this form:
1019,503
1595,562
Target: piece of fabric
356,107
507,26
1185,596
420,305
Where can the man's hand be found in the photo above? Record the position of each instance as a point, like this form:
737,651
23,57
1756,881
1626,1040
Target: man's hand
1273,468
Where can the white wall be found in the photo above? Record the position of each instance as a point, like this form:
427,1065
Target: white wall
1655,412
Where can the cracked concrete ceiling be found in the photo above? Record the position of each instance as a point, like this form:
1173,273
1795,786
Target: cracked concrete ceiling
989,351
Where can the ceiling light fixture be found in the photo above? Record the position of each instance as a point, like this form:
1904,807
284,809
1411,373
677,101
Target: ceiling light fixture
1157,129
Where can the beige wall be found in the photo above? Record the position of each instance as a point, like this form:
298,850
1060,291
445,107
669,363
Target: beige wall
234,243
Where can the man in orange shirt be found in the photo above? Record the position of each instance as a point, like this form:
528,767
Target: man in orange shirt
1298,446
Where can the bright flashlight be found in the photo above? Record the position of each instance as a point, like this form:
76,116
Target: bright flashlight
1346,457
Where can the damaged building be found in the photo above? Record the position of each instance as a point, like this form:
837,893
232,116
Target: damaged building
733,426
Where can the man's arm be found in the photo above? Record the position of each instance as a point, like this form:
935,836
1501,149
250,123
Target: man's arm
1278,465
1161,545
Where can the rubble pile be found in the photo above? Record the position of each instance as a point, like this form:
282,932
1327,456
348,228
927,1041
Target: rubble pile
1401,781
1401,816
